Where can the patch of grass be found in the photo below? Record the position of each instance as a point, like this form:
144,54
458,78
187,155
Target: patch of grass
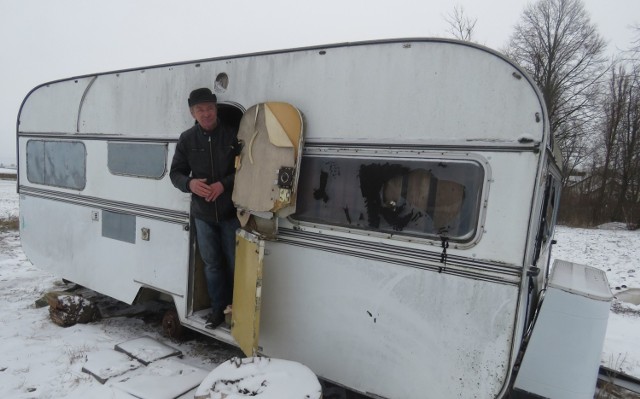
619,308
11,223
605,387
78,353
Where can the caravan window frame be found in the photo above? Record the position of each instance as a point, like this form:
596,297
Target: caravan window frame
309,183
135,159
73,158
548,215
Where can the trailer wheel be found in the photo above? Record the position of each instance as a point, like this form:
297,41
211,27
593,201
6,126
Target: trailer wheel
171,325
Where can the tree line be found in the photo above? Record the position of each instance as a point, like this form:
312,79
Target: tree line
593,103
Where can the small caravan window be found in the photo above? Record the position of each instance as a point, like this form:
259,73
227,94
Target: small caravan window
137,159
548,215
57,163
424,198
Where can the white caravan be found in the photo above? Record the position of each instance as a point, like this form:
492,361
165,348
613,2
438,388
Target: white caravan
407,248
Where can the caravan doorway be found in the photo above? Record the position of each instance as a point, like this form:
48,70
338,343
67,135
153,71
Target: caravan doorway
199,304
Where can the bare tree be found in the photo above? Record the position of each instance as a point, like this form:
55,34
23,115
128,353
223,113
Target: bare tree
635,45
558,45
613,109
618,196
460,25
626,208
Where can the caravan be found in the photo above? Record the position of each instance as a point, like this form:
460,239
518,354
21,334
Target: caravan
398,200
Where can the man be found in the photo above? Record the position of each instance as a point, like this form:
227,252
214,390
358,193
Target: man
203,164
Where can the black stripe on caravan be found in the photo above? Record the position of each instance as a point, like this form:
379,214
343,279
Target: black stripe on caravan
412,257
162,214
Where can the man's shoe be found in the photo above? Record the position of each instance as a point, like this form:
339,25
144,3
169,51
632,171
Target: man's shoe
214,320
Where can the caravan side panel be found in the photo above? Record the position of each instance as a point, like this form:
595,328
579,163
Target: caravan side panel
394,331
110,232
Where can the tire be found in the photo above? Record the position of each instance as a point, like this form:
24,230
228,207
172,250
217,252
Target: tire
171,326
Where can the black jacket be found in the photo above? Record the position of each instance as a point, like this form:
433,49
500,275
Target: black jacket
211,156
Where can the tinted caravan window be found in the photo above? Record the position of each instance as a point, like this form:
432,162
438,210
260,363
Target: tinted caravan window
57,163
424,198
548,215
137,159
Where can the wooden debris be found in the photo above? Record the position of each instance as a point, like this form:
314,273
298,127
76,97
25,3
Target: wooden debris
67,309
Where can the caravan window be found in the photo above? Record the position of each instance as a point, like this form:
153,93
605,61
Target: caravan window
548,215
57,163
137,159
424,198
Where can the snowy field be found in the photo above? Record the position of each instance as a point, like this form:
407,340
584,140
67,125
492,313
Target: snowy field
8,199
39,359
7,171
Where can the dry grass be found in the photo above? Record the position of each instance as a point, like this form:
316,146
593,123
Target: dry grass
77,354
9,224
606,387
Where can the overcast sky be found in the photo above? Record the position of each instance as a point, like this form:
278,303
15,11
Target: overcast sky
44,40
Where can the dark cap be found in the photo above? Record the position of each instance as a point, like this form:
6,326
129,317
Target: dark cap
202,95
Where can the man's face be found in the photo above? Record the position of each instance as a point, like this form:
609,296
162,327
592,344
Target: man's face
206,114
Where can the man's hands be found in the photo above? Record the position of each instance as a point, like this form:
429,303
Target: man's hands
207,191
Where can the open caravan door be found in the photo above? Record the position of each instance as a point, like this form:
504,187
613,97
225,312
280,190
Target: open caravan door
265,188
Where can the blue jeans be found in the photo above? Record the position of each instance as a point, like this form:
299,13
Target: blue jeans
217,245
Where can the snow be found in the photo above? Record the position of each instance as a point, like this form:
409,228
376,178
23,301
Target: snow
105,364
146,349
39,359
262,378
8,199
164,379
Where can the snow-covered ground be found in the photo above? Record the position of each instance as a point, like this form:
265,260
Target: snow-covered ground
39,359
8,171
8,199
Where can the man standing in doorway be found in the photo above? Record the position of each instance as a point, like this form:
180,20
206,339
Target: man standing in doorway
204,165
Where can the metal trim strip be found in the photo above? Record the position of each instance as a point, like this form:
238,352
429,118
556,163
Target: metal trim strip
404,256
323,147
101,137
162,214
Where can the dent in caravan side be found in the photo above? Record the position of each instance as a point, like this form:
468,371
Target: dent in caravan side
389,254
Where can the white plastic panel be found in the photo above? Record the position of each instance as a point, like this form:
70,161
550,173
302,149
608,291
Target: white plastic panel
398,332
580,280
426,90
564,351
64,240
395,92
151,102
78,250
53,108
